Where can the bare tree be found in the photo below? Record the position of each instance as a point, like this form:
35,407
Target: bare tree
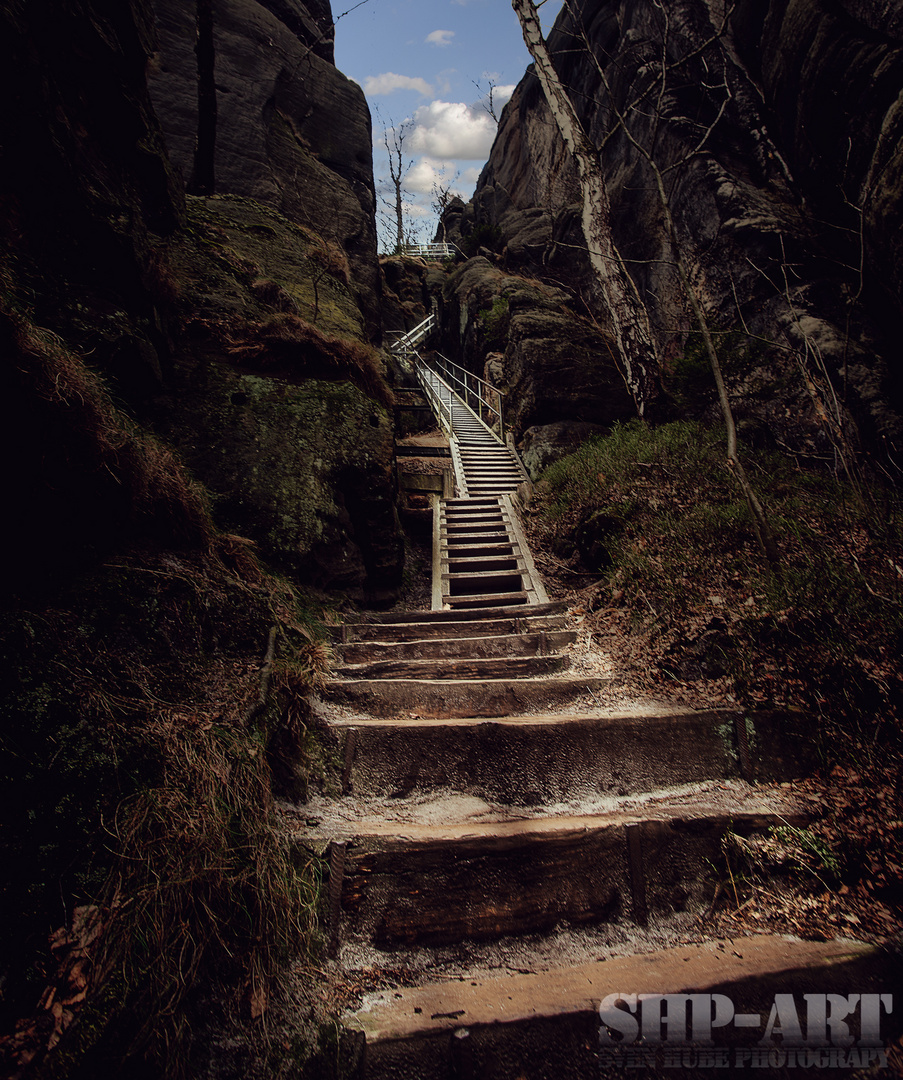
394,136
487,99
604,257
441,194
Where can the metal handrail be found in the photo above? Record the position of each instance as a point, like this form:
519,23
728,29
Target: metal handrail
405,341
481,396
436,389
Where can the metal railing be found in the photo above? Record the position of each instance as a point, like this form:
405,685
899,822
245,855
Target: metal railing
482,397
405,341
430,251
438,393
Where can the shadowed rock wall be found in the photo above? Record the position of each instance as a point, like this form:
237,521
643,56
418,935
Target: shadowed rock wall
779,141
121,311
252,104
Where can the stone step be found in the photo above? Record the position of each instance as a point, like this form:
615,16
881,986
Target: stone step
490,667
511,644
540,760
418,882
500,622
442,698
545,1024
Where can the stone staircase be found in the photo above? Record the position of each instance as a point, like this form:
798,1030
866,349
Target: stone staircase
511,839
507,850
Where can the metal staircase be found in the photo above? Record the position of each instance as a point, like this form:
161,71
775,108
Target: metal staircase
480,555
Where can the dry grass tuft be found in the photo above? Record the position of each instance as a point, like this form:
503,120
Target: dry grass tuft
332,258
272,295
72,404
195,889
288,342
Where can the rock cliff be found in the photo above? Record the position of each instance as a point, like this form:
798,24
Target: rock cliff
100,250
251,104
777,133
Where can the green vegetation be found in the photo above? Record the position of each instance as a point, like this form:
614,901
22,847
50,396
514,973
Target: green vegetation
142,741
487,236
496,321
142,745
685,596
656,512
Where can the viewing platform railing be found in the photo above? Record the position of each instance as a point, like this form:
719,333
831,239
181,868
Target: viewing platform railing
430,251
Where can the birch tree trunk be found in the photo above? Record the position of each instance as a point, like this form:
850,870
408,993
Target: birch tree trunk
627,312
628,315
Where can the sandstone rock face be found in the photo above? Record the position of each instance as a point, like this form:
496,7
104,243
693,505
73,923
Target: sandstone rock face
778,136
270,405
279,123
523,336
233,332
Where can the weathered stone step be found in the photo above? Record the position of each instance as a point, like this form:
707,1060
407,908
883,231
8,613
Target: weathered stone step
450,698
555,607
545,1025
546,759
408,883
500,622
511,644
490,667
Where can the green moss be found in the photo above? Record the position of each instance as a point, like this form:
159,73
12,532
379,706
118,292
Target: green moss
496,321
232,242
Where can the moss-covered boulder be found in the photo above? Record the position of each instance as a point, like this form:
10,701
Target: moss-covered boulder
277,403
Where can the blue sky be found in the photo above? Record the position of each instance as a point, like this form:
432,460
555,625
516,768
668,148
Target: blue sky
424,63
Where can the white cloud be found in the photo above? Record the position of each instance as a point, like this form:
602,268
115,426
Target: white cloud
428,173
451,129
389,82
440,37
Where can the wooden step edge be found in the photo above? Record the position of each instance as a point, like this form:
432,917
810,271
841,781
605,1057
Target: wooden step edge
728,966
375,833
477,599
553,607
